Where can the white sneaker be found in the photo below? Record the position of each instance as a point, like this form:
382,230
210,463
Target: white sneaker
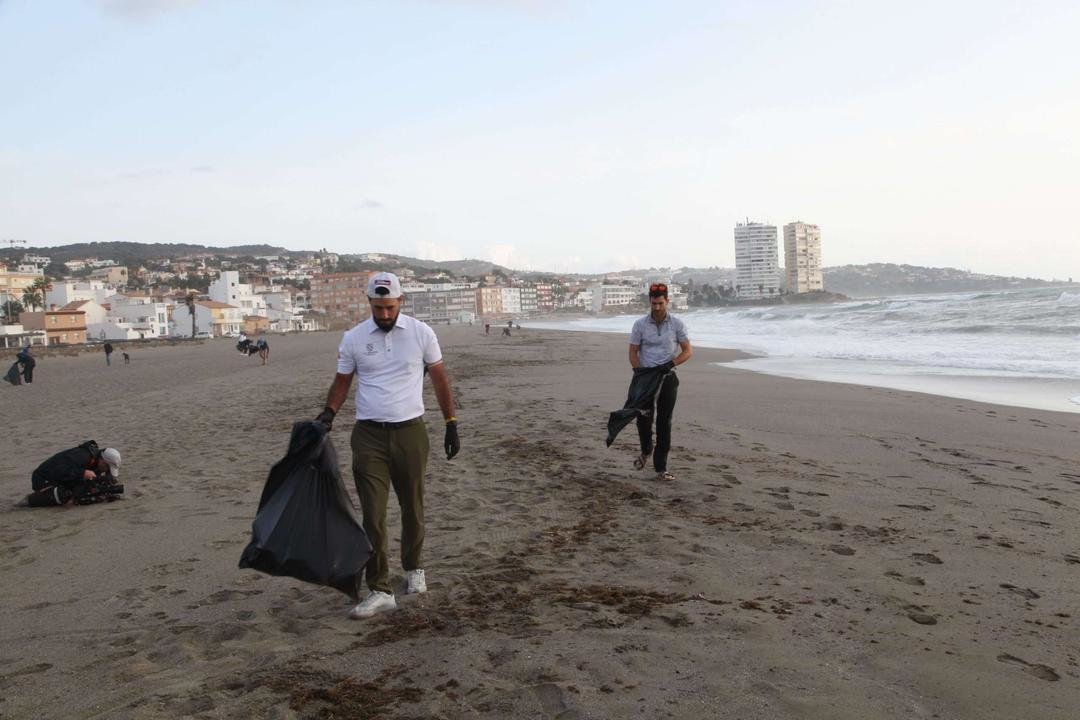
375,602
415,582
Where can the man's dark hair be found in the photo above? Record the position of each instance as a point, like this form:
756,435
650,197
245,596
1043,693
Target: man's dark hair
658,290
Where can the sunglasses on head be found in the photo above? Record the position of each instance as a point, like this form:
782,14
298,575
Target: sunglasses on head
658,289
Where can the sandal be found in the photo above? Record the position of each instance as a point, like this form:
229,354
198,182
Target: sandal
641,461
665,476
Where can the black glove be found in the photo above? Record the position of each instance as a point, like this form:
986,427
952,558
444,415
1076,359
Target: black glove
668,366
326,417
451,444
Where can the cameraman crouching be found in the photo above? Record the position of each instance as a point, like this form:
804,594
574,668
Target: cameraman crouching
83,474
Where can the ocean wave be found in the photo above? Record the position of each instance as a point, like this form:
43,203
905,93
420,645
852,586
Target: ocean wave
1069,298
1075,399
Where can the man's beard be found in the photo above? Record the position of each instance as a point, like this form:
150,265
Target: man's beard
386,325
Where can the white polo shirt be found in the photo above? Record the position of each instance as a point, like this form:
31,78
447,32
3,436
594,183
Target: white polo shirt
389,367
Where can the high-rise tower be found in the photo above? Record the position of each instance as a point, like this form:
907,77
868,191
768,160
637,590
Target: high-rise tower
802,257
756,266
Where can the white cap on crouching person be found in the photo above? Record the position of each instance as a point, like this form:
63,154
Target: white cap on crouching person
112,457
384,285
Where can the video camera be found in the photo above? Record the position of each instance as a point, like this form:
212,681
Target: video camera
103,488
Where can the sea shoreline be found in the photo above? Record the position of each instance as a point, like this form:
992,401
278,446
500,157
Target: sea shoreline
1040,393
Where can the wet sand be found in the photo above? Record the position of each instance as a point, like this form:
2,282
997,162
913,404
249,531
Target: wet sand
827,551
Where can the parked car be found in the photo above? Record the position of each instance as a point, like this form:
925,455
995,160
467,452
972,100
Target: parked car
203,335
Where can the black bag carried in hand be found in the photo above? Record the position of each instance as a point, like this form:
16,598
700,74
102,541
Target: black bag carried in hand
640,399
306,525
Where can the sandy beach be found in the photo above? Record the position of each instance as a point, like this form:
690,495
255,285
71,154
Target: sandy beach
827,550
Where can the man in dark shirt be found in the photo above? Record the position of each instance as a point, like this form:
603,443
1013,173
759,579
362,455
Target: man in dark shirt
65,475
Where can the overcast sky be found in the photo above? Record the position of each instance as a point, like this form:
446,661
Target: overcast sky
557,135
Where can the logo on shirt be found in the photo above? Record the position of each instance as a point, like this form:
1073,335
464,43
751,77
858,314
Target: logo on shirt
370,348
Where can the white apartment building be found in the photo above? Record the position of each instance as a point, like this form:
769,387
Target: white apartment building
530,302
61,293
802,257
228,290
756,264
511,301
608,296
144,317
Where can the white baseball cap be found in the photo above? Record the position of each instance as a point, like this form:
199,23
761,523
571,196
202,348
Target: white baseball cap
384,285
112,457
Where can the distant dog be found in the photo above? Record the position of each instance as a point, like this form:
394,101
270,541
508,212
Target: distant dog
127,358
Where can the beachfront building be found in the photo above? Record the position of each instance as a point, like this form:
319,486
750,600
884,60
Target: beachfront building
16,336
545,297
756,264
450,306
62,327
228,289
511,301
489,302
281,313
218,319
802,258
342,297
62,293
606,297
530,300
137,317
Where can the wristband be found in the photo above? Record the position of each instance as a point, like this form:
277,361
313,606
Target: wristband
451,419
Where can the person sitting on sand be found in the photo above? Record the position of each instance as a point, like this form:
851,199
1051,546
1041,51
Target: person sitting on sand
65,475
659,339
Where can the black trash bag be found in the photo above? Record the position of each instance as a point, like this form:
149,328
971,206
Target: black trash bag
306,526
14,374
640,399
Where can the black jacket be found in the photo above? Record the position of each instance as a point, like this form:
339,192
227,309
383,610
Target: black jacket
64,468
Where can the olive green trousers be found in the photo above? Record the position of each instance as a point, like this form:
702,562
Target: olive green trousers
385,457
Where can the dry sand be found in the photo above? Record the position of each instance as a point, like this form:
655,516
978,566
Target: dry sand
827,551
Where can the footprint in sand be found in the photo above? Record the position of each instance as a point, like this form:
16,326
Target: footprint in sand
1026,593
929,558
906,579
1043,672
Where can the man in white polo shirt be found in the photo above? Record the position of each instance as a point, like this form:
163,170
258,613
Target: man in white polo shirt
389,354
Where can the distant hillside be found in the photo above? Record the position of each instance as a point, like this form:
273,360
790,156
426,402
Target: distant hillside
890,279
457,268
133,252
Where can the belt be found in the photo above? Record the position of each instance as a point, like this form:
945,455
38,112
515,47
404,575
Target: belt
390,425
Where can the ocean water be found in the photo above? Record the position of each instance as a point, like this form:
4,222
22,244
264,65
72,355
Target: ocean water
1014,347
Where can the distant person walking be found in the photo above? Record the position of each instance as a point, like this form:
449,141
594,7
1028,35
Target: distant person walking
389,354
659,340
108,353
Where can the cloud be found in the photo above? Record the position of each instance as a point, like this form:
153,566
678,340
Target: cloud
203,169
369,204
433,251
143,9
